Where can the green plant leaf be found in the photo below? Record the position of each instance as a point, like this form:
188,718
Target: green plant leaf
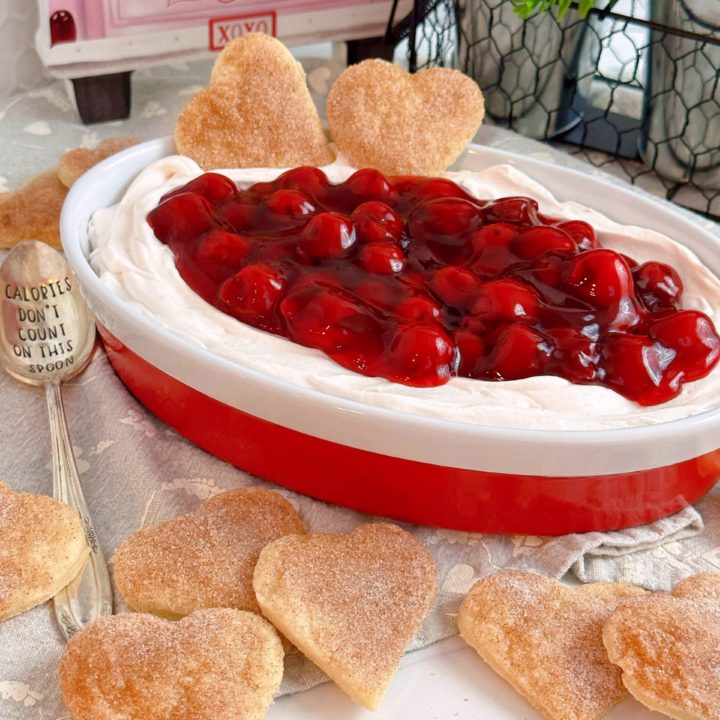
527,8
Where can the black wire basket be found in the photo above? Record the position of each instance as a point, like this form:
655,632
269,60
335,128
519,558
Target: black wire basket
636,91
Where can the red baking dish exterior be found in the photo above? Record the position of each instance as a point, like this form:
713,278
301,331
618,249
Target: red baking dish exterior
407,467
406,490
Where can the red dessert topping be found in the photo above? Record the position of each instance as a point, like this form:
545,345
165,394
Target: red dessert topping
414,280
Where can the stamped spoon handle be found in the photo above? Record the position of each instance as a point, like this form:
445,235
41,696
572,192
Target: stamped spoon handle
89,595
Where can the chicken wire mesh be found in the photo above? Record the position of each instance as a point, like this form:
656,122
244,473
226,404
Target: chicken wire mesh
635,91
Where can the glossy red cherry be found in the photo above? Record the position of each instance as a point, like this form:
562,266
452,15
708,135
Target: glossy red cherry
413,190
310,180
581,232
446,219
212,186
455,286
499,233
181,218
601,277
659,285
505,300
222,246
309,310
290,204
368,184
548,270
575,356
535,241
518,210
626,316
356,342
252,293
375,221
443,227
471,351
491,245
421,355
332,321
327,235
381,257
693,337
520,351
220,253
419,309
639,368
238,214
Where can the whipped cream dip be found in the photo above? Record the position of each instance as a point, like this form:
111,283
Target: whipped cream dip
138,268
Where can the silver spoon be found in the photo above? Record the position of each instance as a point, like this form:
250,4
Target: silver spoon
47,335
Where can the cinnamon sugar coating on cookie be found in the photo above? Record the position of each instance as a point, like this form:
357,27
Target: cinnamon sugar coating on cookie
545,639
349,602
256,112
42,548
705,585
669,650
213,665
33,211
206,558
74,163
383,117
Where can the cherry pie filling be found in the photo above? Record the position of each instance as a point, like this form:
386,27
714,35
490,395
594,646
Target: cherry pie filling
413,280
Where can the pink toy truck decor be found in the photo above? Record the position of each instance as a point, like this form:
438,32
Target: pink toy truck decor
97,43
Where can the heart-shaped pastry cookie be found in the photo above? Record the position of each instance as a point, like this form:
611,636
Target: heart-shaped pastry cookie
42,548
33,211
705,585
668,647
545,639
204,559
213,665
256,112
383,117
74,163
350,602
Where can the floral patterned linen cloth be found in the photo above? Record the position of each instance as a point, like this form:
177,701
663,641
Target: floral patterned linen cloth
136,471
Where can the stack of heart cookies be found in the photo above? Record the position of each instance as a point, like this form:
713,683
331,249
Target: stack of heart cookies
257,112
33,211
238,570
575,652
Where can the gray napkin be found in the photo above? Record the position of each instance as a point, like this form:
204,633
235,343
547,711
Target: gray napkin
595,556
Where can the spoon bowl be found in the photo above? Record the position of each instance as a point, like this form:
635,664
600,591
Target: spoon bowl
47,335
